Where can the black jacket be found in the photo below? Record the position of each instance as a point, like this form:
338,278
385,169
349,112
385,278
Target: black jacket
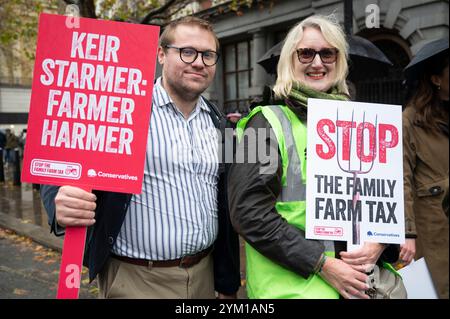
110,213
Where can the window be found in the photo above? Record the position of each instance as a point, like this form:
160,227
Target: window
237,75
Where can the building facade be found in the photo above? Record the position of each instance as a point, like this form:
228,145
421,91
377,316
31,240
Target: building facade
16,59
401,29
247,32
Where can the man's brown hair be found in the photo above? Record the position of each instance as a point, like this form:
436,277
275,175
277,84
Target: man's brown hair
167,35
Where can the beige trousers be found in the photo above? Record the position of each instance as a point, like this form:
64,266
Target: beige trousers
119,279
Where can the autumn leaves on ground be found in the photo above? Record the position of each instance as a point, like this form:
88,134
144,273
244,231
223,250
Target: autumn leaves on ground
29,270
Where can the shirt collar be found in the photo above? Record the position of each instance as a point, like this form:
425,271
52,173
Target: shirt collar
166,100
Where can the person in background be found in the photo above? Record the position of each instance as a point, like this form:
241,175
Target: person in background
268,209
174,240
426,163
233,118
10,145
2,140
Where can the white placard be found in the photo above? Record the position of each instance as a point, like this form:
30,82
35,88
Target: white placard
354,147
417,280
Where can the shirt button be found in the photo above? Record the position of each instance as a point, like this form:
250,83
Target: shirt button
110,240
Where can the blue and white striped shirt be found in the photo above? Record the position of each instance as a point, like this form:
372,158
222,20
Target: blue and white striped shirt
176,213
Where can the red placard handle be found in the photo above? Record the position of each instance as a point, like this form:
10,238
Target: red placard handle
71,262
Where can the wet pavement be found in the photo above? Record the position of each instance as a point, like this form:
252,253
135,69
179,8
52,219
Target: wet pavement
29,270
22,202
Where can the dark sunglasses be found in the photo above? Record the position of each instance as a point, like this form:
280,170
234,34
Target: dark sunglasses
327,55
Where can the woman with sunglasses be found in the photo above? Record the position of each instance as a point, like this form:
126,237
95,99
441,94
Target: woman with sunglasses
267,196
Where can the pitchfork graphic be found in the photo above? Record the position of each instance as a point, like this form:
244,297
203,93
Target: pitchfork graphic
356,236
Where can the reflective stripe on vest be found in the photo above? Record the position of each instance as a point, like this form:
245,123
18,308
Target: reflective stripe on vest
266,279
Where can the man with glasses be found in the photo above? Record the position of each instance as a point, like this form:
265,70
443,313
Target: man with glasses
174,240
189,55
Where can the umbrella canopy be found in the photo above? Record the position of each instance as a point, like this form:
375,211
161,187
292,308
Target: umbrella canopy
366,59
360,50
269,60
425,54
359,47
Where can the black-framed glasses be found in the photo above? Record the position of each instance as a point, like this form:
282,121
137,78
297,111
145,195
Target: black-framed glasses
327,55
188,55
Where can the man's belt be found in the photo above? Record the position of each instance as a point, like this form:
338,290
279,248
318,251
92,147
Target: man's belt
183,262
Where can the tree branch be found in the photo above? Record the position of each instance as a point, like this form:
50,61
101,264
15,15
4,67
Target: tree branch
175,11
90,9
157,11
86,7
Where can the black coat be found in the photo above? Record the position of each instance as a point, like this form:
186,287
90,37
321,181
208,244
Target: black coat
110,213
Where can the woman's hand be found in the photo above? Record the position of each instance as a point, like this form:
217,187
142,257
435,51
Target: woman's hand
346,280
364,257
408,251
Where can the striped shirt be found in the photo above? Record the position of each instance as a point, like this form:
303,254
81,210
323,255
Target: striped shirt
176,213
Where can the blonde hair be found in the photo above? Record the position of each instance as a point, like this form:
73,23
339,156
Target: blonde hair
333,34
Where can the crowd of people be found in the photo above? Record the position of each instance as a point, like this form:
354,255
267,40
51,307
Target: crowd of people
179,237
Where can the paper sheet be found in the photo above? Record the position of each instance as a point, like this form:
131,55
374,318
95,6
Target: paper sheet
417,280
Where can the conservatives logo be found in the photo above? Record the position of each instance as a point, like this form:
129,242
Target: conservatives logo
375,234
92,173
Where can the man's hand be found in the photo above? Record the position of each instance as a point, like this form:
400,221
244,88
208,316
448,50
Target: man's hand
408,251
74,207
364,257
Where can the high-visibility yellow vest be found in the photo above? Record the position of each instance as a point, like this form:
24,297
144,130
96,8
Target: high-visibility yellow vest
266,279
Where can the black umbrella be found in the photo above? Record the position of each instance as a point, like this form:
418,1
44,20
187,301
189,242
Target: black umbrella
424,55
359,47
269,60
366,59
361,51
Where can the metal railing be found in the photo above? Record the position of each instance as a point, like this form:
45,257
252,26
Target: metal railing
389,90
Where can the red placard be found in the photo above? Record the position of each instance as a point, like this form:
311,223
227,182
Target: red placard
71,263
89,114
90,104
